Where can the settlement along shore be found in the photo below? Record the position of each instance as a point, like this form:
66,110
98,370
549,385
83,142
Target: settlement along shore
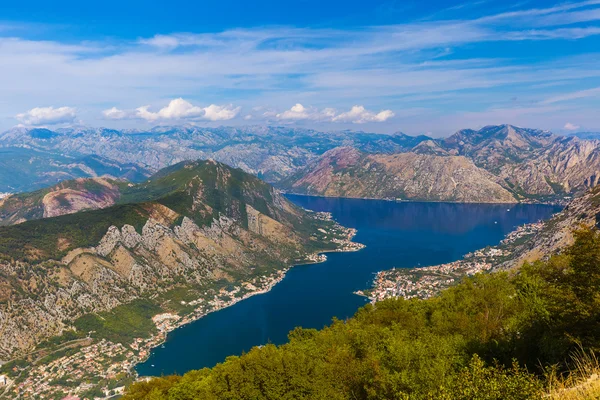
77,372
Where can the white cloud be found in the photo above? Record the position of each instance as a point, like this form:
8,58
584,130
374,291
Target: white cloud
298,112
47,116
356,115
571,127
177,109
220,113
115,113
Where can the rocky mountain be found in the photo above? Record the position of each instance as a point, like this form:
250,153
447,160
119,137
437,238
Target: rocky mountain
492,147
531,164
534,164
586,135
187,227
493,164
269,152
347,172
67,197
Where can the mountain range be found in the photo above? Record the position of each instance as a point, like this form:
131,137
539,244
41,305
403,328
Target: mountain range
87,246
494,164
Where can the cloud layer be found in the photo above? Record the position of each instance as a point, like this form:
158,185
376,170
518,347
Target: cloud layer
47,116
177,110
356,115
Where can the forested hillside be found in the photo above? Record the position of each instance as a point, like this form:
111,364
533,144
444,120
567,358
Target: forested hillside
508,335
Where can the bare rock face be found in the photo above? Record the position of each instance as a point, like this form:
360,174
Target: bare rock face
530,162
71,200
195,223
65,198
345,172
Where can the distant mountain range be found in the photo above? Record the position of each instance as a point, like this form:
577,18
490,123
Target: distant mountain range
586,135
495,164
269,152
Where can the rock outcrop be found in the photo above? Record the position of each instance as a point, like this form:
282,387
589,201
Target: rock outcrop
346,172
191,225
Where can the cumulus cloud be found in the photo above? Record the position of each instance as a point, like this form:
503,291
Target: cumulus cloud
177,109
115,113
47,116
571,127
359,115
220,113
356,115
298,112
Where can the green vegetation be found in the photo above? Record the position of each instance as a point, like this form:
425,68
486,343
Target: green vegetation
51,238
494,336
222,191
123,323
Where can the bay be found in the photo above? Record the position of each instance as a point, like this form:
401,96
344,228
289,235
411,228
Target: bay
397,234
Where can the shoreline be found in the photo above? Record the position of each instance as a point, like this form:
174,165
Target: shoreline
115,362
562,202
318,257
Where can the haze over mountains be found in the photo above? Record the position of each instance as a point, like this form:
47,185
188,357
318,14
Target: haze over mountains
494,164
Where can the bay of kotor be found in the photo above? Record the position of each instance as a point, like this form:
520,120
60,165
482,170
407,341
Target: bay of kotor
396,234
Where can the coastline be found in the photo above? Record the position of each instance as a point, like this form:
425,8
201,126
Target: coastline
313,258
559,202
427,282
114,362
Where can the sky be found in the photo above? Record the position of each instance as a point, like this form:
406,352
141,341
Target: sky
418,67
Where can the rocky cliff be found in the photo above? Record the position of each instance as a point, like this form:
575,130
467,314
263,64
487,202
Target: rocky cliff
557,233
64,198
196,223
346,172
494,164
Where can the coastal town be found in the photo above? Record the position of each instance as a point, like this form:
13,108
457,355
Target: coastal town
102,369
97,368
426,282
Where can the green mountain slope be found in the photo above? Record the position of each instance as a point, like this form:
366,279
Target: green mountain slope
196,227
494,336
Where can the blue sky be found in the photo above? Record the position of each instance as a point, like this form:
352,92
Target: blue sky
385,66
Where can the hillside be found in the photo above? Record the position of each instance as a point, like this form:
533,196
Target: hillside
189,231
492,336
346,172
67,197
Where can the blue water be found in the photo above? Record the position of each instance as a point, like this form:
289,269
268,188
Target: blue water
400,235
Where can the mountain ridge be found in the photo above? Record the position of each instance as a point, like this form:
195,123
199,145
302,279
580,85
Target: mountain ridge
196,225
